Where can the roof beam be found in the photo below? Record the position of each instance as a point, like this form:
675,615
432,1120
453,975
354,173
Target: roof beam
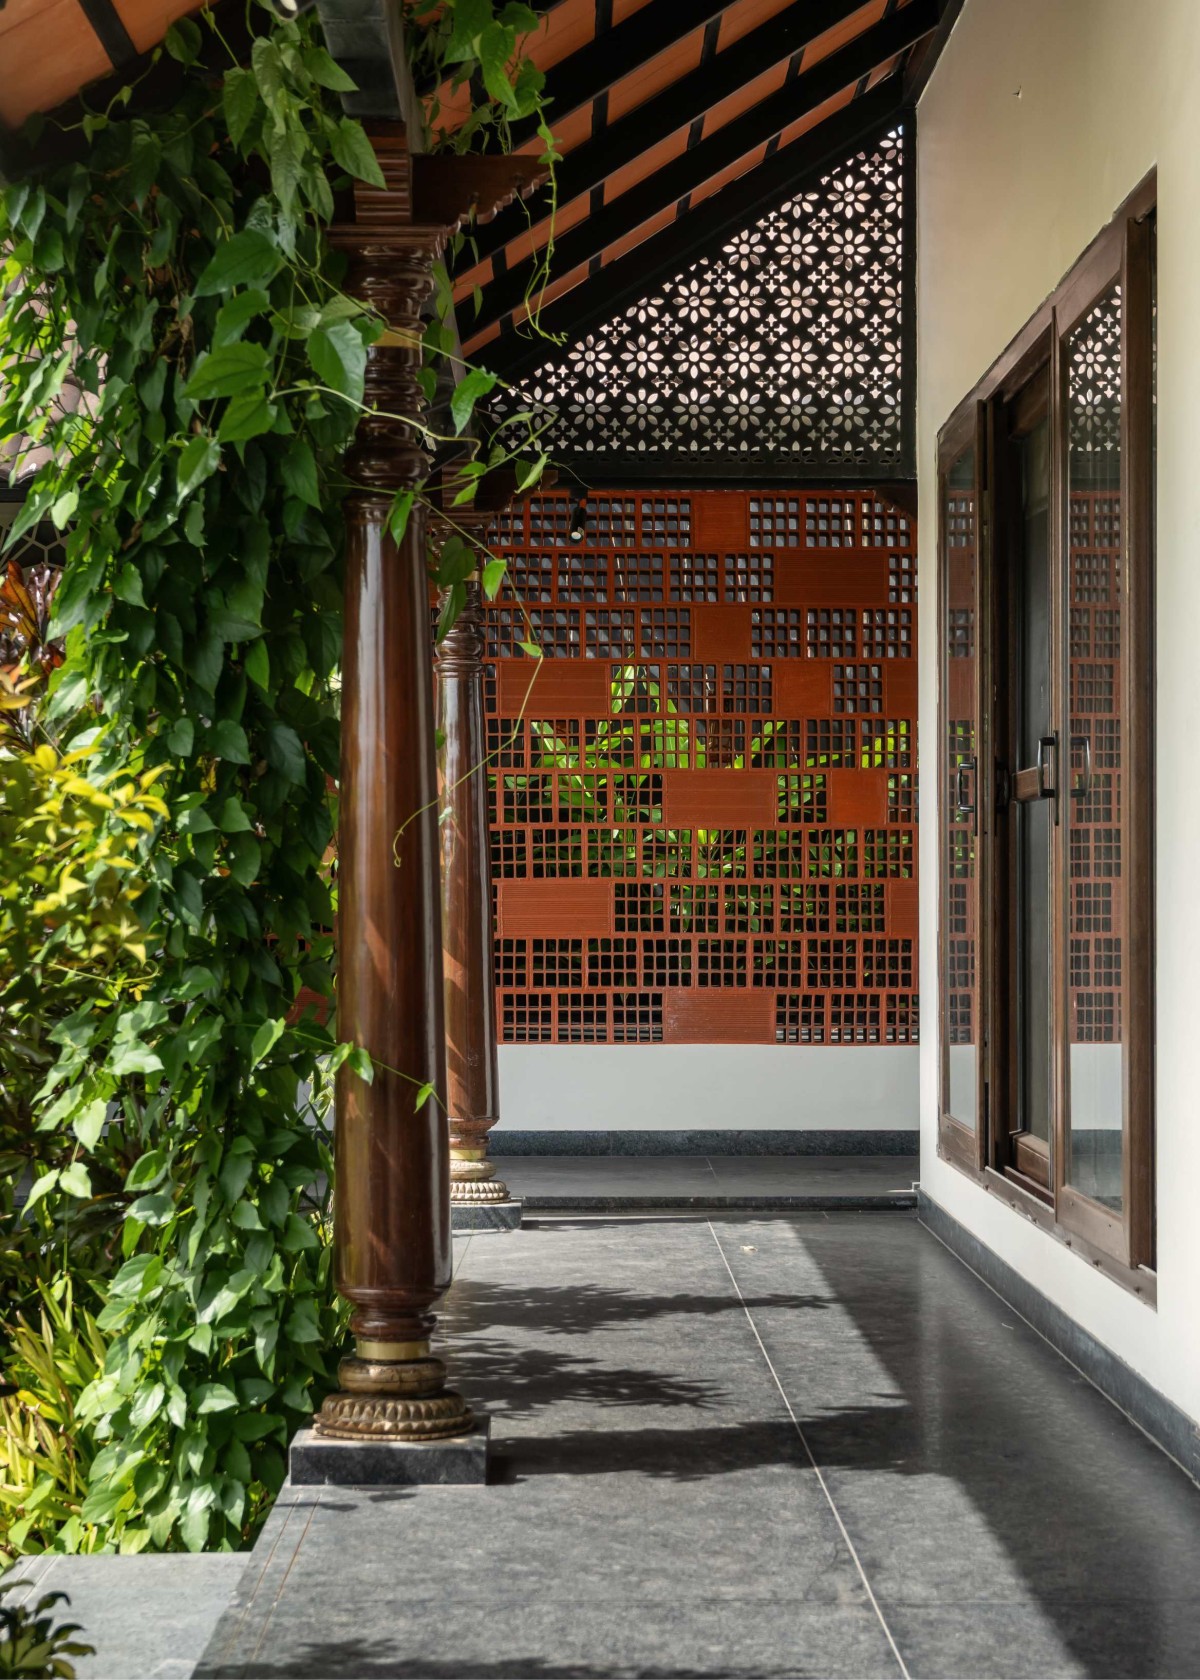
917,75
792,170
579,79
690,97
690,171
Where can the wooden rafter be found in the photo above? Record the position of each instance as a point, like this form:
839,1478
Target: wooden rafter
693,169
793,169
691,96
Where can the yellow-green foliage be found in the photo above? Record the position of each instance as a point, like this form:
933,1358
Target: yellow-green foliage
45,1459
70,940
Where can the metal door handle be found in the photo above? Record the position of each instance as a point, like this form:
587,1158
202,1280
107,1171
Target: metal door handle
1085,783
1046,742
967,767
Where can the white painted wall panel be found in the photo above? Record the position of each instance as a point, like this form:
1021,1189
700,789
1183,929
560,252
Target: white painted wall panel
1040,118
693,1087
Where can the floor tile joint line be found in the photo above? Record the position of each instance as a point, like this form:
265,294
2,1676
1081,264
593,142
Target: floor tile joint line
837,1515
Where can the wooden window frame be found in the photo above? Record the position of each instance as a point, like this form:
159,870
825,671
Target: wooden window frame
1121,1245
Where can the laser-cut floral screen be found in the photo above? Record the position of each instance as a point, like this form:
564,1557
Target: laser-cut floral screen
703,809
786,344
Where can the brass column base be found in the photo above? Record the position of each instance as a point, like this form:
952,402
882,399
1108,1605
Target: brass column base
393,1400
478,1190
473,1177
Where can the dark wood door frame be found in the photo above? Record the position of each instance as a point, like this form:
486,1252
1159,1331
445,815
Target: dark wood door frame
1032,1178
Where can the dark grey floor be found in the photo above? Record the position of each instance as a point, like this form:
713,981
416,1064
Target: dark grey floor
616,1182
147,1618
744,1446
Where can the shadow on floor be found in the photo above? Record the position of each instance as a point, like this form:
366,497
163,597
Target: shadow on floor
374,1660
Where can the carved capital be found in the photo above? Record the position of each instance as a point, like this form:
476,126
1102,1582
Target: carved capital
461,652
478,185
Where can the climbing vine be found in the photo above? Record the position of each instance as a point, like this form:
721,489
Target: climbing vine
177,339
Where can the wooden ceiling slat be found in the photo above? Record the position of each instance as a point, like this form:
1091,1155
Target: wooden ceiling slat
643,81
792,170
831,39
32,79
688,172
586,74
701,92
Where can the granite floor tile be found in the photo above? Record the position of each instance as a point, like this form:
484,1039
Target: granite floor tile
148,1617
656,1388
511,1638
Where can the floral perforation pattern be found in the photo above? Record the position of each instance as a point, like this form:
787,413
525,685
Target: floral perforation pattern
785,343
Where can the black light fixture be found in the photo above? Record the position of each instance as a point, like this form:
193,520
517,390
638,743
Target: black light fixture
575,528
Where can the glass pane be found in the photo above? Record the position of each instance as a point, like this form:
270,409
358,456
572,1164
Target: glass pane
1034,820
960,907
1094,808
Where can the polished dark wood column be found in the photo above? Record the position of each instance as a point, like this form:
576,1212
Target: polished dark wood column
473,1096
392,1209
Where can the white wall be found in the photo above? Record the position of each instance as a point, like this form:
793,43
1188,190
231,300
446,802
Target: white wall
1040,118
707,1087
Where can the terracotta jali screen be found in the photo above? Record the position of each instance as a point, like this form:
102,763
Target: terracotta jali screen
704,793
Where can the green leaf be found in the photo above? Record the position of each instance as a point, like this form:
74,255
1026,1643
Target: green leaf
89,1123
147,1404
127,585
213,1397
41,1187
496,47
353,151
205,657
226,372
240,101
183,40
232,818
154,1209
248,415
181,737
530,475
286,155
422,1097
455,563
134,1057
285,752
245,859
236,315
265,1039
252,1426
493,577
249,258
257,665
145,1172
339,357
325,72
398,515
200,459
299,471
228,741
471,18
75,1180
470,388
193,1530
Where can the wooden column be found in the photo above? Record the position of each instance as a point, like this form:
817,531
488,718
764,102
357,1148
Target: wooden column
392,1208
472,1087
392,1204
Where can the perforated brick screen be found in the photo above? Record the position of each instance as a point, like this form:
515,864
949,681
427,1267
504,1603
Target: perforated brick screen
1097,913
704,795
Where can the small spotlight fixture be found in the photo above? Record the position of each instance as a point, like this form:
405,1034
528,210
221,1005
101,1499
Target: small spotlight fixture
575,527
